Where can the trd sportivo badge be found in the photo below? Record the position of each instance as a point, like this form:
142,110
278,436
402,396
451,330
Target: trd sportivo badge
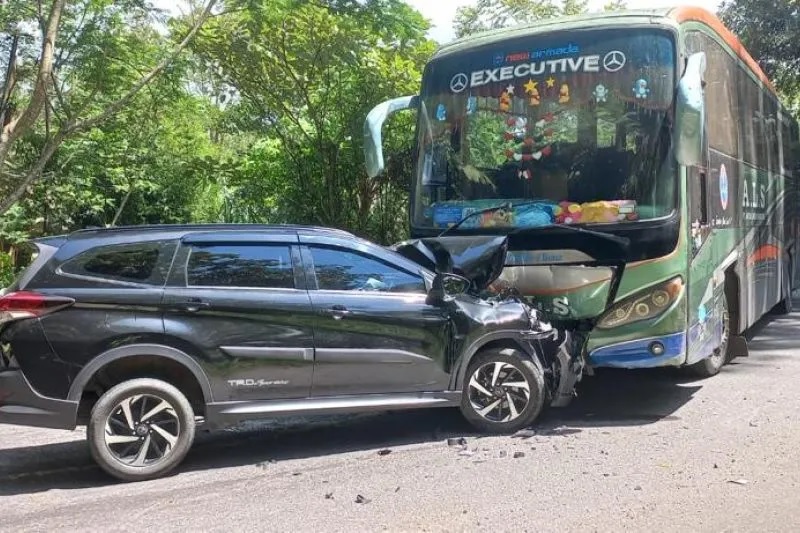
239,383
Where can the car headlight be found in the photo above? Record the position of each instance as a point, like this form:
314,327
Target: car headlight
644,305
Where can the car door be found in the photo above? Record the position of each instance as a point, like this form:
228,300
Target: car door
239,302
373,331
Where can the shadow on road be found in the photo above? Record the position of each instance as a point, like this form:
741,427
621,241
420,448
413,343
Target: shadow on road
610,399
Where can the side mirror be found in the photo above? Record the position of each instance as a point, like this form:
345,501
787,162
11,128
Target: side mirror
690,112
446,286
373,135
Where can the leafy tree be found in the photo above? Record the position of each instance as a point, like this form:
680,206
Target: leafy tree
615,5
70,67
770,31
305,76
490,14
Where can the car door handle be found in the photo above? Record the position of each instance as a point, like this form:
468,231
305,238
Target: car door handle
339,312
192,305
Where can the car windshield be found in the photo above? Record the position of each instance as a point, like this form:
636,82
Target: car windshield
572,128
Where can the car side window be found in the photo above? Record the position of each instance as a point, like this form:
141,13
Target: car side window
343,270
142,263
240,265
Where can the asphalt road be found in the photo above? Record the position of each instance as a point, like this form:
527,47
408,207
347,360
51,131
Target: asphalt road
637,451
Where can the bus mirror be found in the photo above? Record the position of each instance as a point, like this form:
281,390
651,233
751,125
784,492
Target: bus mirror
690,112
373,137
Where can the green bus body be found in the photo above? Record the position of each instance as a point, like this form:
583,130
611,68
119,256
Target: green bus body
708,237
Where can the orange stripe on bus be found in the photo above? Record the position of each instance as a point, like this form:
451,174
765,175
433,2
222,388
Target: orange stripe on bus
765,253
698,14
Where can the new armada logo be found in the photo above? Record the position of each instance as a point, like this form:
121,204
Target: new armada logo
613,61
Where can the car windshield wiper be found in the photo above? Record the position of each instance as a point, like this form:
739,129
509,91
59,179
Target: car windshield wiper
506,205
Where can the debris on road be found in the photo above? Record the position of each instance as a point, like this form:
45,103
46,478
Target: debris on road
518,455
524,434
738,481
328,495
385,451
457,441
265,464
503,453
362,499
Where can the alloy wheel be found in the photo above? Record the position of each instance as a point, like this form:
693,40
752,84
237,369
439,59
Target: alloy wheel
142,430
499,392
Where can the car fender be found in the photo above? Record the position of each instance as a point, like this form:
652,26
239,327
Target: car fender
130,350
516,337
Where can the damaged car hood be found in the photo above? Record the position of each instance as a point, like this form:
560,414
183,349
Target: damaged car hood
480,259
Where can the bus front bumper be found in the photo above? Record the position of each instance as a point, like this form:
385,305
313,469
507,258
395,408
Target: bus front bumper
652,352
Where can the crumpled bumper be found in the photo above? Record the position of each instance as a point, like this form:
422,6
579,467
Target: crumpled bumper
20,404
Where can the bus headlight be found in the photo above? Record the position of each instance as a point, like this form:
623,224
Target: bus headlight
644,305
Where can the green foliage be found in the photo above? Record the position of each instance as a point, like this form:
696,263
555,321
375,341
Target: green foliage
490,14
770,31
305,75
7,270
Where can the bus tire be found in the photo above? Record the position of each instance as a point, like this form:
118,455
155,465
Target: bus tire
711,365
785,307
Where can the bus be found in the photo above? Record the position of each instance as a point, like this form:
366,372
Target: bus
654,126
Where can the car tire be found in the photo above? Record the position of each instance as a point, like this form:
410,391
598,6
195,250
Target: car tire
711,365
141,429
502,378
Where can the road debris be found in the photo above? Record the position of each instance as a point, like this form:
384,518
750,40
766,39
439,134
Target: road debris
362,499
456,441
328,495
503,453
385,451
524,434
518,455
738,481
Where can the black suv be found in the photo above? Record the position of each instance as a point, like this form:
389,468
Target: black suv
141,333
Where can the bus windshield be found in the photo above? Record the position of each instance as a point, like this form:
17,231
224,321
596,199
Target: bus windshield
558,129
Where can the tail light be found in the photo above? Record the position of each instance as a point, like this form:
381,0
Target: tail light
26,304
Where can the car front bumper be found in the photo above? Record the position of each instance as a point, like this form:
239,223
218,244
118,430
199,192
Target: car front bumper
20,404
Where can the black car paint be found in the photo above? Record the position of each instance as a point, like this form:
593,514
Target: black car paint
246,342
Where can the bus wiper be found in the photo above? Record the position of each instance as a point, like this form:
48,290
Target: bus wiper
619,241
506,205
474,214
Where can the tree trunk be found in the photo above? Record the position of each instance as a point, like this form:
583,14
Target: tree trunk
19,125
27,119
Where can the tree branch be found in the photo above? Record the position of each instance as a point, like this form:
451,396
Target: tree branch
116,106
33,174
122,205
21,124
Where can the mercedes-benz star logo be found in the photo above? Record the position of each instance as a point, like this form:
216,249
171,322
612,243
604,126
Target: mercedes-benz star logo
614,61
459,83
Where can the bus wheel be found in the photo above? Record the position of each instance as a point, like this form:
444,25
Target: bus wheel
784,307
711,365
